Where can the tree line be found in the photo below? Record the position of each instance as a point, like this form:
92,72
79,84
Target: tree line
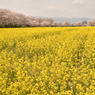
9,19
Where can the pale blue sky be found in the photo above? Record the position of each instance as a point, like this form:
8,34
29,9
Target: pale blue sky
51,8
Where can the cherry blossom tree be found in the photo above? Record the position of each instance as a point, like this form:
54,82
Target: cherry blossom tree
91,23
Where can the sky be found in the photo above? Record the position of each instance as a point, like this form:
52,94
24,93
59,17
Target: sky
52,8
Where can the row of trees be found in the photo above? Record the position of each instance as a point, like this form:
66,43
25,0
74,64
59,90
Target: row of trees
12,19
80,23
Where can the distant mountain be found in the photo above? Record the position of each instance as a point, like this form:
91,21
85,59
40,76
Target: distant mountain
71,20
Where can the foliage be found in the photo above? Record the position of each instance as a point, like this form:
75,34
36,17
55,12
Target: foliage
11,19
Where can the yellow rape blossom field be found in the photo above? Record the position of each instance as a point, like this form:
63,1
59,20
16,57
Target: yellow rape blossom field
47,61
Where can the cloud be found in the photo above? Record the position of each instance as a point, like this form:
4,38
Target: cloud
89,7
78,2
54,9
27,5
20,1
51,8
